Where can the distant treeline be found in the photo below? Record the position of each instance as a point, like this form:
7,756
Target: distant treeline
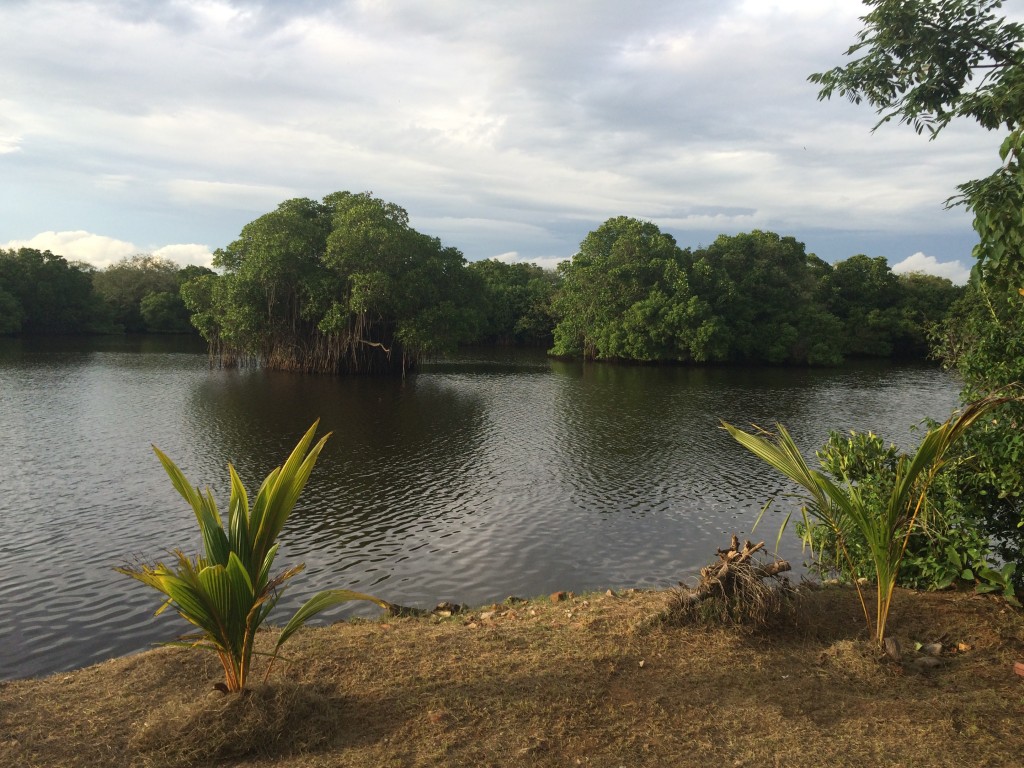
45,294
632,294
345,285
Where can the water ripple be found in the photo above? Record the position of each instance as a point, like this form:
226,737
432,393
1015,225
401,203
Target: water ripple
491,474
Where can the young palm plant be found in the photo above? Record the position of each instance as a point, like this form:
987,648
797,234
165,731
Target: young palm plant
229,592
886,527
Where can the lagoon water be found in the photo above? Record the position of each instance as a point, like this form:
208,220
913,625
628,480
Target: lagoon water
493,473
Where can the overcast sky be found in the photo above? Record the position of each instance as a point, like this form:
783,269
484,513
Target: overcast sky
506,129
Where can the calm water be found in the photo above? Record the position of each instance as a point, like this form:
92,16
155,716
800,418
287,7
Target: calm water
491,474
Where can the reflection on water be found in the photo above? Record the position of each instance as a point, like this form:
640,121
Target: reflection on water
494,473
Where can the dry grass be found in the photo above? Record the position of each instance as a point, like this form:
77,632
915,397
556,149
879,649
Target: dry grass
597,680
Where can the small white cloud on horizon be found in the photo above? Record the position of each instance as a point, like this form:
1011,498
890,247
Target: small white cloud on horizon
544,262
186,254
929,265
101,251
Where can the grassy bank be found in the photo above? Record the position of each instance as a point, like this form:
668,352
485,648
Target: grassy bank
599,680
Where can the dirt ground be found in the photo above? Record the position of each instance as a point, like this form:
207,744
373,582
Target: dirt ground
595,680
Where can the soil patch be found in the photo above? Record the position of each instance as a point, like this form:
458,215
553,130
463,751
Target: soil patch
602,679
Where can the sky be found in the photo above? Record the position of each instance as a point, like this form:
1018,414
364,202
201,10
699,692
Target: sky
506,129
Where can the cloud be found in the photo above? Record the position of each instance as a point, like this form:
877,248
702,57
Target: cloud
229,195
186,253
511,126
545,262
929,265
102,251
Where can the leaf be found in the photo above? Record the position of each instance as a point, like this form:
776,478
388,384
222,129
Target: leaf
321,602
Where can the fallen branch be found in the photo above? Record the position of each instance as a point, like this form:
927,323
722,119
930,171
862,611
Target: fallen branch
744,587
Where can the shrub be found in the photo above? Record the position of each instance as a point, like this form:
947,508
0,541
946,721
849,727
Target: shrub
229,592
883,519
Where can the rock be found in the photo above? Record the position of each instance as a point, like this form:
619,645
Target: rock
932,649
446,608
922,663
1018,667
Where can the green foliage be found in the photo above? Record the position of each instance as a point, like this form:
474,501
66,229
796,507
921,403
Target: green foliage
864,294
928,62
11,315
125,284
946,548
917,60
762,294
343,285
164,312
515,302
925,301
624,296
884,519
632,294
228,592
41,293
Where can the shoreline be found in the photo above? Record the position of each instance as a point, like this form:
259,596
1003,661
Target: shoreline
594,679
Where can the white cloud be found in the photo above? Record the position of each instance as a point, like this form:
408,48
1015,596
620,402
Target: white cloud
102,251
545,262
511,126
229,195
186,253
929,265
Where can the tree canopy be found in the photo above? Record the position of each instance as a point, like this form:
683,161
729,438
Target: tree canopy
631,293
927,63
624,295
515,302
342,285
142,292
42,293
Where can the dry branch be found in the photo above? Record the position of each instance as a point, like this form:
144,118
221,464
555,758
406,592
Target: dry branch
744,588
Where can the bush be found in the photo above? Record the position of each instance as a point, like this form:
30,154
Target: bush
950,546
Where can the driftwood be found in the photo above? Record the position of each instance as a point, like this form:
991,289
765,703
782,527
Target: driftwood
733,569
737,588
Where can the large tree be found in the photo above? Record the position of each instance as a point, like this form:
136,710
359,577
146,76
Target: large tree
864,294
763,302
927,63
128,283
516,302
624,296
342,285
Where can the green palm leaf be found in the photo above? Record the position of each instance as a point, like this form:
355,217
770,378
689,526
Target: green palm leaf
229,592
842,507
321,602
